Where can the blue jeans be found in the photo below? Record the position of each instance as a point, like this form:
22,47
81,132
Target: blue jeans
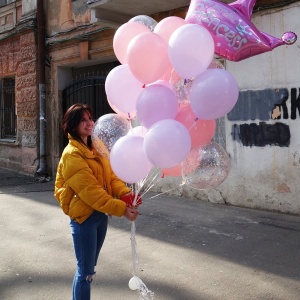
88,239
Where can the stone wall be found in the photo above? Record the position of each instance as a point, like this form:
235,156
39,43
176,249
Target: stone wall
18,59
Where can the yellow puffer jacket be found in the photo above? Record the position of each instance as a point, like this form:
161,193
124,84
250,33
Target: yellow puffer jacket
85,182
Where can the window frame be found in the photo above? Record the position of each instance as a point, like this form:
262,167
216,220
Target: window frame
8,117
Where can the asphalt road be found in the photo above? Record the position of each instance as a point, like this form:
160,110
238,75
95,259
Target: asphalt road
187,249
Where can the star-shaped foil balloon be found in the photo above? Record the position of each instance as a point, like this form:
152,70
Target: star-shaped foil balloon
235,37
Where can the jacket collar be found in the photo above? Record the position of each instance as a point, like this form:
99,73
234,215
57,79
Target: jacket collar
82,147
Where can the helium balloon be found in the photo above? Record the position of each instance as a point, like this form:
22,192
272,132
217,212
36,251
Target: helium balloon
156,102
121,97
234,35
191,50
145,20
167,143
123,36
181,87
128,159
147,57
213,94
167,26
107,130
201,131
210,167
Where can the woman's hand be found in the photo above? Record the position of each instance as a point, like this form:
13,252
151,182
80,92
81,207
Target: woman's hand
129,199
131,213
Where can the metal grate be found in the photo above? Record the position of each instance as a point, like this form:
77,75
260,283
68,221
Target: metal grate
8,116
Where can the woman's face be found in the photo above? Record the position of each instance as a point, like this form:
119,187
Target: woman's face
85,126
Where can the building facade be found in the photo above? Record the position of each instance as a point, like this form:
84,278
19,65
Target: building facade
260,133
18,82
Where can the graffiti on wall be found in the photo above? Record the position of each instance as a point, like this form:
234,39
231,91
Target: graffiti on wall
264,105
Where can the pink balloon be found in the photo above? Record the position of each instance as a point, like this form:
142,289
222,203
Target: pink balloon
191,50
162,82
147,57
189,168
138,131
156,102
201,131
123,36
167,143
235,37
167,26
117,84
130,115
213,94
174,171
128,159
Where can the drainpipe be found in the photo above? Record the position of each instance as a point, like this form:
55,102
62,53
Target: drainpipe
42,87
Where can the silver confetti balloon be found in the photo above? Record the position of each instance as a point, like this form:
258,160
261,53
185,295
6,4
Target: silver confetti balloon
146,20
206,167
181,87
107,130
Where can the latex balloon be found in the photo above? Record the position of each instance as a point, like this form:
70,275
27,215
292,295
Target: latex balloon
167,143
134,283
174,171
201,131
181,87
145,20
235,37
155,103
121,97
139,131
124,34
147,57
128,159
213,94
107,130
210,167
127,115
191,50
167,26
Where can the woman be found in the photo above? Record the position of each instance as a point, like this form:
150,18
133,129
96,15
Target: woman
88,191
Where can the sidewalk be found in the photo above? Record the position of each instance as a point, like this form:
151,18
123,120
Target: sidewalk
188,249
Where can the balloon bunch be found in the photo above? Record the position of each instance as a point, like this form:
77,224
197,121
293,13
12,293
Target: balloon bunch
170,83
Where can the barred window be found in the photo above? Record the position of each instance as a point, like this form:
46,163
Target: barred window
8,118
5,2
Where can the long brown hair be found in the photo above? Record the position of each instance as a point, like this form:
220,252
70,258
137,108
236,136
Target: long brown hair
72,118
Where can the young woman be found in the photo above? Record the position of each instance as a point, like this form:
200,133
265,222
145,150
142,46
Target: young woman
88,191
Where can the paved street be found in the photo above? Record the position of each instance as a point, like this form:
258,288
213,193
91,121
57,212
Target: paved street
188,249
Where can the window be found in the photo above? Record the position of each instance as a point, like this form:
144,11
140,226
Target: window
8,118
5,2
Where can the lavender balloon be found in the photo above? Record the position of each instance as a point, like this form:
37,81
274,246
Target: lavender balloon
156,102
167,143
107,130
213,94
210,165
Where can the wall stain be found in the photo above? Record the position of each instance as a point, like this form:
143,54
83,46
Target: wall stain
262,134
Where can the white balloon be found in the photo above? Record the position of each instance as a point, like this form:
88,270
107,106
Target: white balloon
134,283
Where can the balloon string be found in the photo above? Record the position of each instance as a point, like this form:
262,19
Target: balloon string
144,292
134,254
157,195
